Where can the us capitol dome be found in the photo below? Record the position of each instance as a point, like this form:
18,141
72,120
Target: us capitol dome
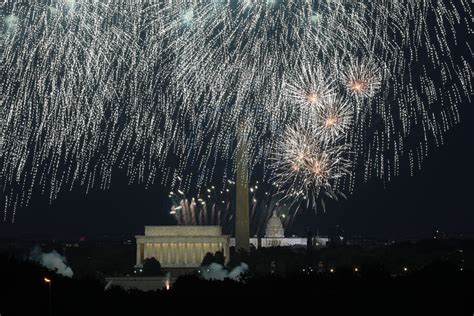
274,227
275,236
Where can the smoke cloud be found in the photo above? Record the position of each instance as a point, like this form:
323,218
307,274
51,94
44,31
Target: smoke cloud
51,260
216,271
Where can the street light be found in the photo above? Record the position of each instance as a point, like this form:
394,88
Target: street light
50,303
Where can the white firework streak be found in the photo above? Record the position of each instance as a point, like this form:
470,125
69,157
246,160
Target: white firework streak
211,209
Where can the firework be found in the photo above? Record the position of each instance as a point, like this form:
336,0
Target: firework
334,118
362,78
217,207
212,208
306,166
309,88
161,89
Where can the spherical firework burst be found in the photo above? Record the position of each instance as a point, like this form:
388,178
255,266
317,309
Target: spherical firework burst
309,88
362,78
305,166
334,117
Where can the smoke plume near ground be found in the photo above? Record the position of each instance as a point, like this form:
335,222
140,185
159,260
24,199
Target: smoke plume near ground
216,271
51,260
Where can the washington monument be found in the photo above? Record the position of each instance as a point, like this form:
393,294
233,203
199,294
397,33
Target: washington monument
242,225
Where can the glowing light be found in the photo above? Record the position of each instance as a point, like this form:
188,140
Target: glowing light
312,98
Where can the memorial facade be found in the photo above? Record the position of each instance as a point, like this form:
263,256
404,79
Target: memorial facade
180,246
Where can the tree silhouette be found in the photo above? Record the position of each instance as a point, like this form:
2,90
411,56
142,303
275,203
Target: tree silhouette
208,259
152,267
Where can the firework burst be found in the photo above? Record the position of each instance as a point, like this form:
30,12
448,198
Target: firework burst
334,119
362,78
309,88
306,167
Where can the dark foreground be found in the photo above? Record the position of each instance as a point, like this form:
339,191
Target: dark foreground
439,287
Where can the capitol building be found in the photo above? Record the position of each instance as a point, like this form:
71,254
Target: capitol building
275,237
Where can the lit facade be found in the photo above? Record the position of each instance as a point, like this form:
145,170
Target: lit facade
275,237
180,246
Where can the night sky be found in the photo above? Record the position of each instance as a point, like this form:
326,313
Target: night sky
437,197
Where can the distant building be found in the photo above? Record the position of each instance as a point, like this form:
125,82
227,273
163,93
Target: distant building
439,235
140,283
180,246
366,243
336,236
274,227
275,237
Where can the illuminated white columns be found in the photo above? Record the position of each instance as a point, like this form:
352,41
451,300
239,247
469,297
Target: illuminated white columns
178,253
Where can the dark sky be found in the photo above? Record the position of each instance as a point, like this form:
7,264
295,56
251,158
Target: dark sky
439,196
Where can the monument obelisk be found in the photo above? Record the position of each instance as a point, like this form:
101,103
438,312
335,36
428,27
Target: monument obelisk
242,225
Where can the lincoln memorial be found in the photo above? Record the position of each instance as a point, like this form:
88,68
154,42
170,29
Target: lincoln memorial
180,246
